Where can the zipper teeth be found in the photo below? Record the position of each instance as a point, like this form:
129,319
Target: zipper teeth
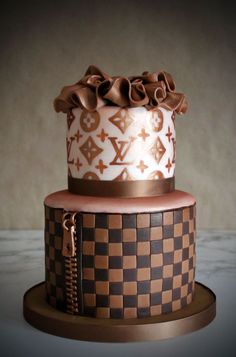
71,274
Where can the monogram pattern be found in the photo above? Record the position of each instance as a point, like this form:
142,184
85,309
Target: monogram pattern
115,144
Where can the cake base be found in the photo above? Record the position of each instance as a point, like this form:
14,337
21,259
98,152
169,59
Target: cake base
192,317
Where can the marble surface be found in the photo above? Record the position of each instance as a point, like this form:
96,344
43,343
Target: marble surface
22,266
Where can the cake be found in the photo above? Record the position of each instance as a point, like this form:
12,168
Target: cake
120,241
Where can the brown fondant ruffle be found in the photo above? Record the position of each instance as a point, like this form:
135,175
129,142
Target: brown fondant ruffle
97,89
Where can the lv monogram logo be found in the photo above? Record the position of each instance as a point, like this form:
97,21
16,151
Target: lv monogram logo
68,146
121,148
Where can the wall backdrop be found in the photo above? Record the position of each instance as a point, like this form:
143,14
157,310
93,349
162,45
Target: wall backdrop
47,44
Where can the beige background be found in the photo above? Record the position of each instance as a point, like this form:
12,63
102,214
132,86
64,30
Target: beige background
45,45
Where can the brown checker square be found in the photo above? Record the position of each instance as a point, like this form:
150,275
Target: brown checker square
58,242
101,235
143,274
90,299
58,215
143,248
102,312
47,212
144,300
178,216
116,301
130,288
176,305
59,294
58,268
47,262
155,310
186,214
116,313
115,275
88,220
189,298
130,274
115,262
101,261
115,249
102,301
166,296
144,287
178,254
46,237
88,248
191,251
184,290
116,288
48,287
52,278
130,312
143,220
168,271
102,287
129,248
191,226
156,233
52,301
185,240
129,235
115,221
168,245
156,285
51,252
156,260
177,281
51,227
88,273
168,218
130,262
185,266
178,229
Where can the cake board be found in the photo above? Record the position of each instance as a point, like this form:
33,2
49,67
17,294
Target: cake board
44,317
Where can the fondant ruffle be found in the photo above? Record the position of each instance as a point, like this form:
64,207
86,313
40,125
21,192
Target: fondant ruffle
97,89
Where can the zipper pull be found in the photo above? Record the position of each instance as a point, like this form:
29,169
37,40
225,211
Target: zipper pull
69,234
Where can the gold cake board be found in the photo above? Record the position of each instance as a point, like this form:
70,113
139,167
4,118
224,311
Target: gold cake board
48,319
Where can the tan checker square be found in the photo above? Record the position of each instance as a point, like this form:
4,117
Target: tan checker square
143,220
143,248
129,262
194,259
186,214
101,261
176,305
185,266
178,229
168,218
143,274
156,260
58,242
144,300
88,248
52,278
156,233
185,240
51,252
190,275
155,310
129,235
47,263
115,221
115,249
191,226
46,237
101,235
191,250
156,285
90,299
59,293
51,228
58,268
102,287
88,220
189,298
58,215
130,312
166,296
178,256
168,245
130,288
177,281
88,273
115,275
116,301
184,290
103,312
168,271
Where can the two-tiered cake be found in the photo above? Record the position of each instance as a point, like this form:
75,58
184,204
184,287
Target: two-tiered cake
120,242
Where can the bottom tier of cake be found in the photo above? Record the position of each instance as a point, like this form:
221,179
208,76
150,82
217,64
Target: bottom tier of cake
119,258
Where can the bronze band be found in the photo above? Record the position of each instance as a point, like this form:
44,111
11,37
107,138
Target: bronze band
138,188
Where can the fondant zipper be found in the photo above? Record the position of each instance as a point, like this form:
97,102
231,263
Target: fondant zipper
69,234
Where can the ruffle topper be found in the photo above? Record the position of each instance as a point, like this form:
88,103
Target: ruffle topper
97,89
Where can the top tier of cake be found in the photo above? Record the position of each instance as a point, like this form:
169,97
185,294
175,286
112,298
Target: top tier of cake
121,133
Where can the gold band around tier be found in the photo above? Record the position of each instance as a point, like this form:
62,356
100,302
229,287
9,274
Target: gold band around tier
138,188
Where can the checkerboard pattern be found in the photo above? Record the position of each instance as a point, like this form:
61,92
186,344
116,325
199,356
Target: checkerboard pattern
138,265
54,261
